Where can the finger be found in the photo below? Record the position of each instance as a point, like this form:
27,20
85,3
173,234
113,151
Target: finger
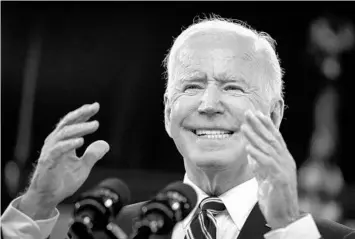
77,130
82,114
65,146
261,130
94,152
50,137
256,141
256,169
262,159
261,164
267,122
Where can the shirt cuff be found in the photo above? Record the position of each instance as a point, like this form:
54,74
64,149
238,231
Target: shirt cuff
16,224
304,228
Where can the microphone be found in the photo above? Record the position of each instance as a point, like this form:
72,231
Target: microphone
96,209
159,215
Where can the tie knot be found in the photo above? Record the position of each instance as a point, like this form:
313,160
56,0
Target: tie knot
212,204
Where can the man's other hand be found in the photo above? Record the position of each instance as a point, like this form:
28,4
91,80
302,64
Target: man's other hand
274,169
59,171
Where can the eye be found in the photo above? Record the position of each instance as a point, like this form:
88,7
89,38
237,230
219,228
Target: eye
192,87
233,88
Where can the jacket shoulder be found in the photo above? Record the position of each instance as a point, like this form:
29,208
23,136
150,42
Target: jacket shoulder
333,230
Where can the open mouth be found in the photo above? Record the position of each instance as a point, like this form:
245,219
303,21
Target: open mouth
213,134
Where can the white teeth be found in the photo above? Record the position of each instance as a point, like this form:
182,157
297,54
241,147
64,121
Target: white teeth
212,132
216,136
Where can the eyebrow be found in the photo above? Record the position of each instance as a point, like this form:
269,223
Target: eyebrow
223,78
231,78
194,76
226,78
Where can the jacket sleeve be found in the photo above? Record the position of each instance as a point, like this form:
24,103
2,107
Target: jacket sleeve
310,228
15,224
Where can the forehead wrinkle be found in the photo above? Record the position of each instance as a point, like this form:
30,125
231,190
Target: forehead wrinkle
183,64
185,61
184,72
184,56
248,56
192,75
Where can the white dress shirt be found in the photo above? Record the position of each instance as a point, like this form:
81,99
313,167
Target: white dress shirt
239,202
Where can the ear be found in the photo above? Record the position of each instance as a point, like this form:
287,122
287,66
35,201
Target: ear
167,112
277,112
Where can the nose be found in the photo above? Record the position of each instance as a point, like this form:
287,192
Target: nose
210,101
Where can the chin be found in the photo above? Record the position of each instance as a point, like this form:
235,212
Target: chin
214,160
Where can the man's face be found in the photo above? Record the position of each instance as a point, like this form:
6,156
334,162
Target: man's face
216,80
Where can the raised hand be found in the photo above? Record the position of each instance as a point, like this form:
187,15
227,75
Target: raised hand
59,171
274,168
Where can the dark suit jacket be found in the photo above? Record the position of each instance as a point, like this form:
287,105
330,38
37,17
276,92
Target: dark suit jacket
254,227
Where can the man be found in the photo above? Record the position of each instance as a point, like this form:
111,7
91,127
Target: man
223,109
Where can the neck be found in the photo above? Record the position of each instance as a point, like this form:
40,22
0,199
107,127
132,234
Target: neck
215,182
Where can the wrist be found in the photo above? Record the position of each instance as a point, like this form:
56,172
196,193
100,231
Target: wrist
36,207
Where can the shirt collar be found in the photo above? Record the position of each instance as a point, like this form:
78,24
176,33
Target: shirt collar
239,201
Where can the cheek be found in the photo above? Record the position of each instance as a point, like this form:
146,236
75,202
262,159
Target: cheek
176,117
182,107
237,105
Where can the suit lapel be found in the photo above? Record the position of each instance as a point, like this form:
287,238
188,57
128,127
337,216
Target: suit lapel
255,225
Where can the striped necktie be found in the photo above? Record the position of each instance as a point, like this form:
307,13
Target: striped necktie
204,224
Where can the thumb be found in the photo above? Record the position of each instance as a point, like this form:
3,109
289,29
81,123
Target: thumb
95,151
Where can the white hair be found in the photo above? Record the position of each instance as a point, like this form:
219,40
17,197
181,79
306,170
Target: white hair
264,48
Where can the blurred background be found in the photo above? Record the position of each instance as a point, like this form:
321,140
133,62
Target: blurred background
57,56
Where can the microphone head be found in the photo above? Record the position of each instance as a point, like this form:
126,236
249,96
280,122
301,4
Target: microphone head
94,209
171,205
117,186
186,191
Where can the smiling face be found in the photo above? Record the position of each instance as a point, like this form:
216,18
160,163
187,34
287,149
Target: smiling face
215,81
